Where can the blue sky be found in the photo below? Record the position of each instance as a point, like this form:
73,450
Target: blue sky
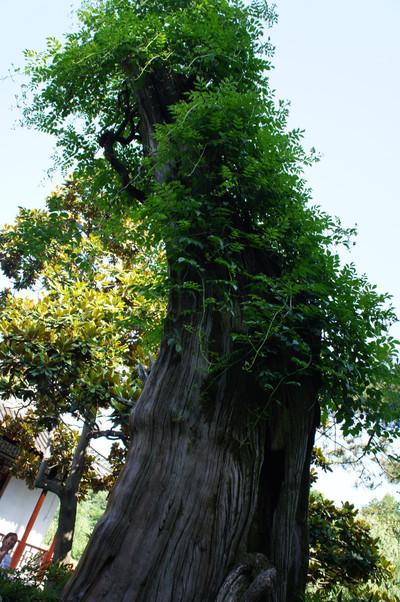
24,155
338,64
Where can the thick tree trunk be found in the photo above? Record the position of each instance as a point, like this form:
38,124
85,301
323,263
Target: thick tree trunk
212,502
205,483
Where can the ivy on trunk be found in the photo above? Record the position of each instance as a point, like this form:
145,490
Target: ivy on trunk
265,328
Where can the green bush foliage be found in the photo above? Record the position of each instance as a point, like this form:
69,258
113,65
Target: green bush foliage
347,562
26,585
384,519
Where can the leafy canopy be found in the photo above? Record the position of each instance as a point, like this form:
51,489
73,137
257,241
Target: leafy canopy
342,549
73,347
219,177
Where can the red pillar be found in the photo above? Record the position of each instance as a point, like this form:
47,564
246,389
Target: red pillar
47,557
16,557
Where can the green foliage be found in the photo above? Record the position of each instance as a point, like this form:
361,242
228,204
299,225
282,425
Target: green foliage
25,585
68,351
341,546
231,190
346,562
200,40
337,593
82,231
384,519
74,347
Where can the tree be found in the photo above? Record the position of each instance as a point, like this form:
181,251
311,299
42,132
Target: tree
62,355
264,327
383,516
345,557
73,350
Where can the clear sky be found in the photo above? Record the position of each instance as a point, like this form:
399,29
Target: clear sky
338,64
336,61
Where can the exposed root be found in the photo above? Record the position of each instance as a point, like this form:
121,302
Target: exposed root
249,581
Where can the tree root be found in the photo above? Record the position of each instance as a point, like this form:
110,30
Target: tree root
248,581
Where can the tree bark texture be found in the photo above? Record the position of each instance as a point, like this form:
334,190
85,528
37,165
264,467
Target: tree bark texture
206,483
203,484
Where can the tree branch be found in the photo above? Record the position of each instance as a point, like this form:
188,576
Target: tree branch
109,434
107,141
143,371
79,457
109,137
42,482
126,402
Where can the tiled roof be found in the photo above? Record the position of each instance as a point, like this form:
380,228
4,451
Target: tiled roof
11,408
9,451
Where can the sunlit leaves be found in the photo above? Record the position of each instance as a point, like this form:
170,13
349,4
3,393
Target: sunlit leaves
232,188
345,555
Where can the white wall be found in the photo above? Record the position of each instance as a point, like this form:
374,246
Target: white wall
16,506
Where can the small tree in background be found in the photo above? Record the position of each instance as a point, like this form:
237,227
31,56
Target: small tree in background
74,349
62,355
346,561
384,519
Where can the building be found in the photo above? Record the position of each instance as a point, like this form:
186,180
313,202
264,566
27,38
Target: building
27,512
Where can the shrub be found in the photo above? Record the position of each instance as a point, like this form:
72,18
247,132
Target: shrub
25,585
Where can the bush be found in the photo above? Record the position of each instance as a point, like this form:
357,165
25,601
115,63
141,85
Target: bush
24,585
346,562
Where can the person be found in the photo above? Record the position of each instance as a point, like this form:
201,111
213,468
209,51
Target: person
9,542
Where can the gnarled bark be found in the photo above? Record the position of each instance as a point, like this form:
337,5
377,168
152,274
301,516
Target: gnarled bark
249,581
203,483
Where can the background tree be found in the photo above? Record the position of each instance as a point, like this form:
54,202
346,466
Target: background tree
349,559
264,328
384,519
60,354
74,350
346,561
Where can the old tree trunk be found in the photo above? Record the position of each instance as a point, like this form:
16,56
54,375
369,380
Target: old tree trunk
263,324
212,503
204,486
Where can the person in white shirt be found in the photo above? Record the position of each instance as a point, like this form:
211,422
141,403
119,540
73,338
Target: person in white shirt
9,542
